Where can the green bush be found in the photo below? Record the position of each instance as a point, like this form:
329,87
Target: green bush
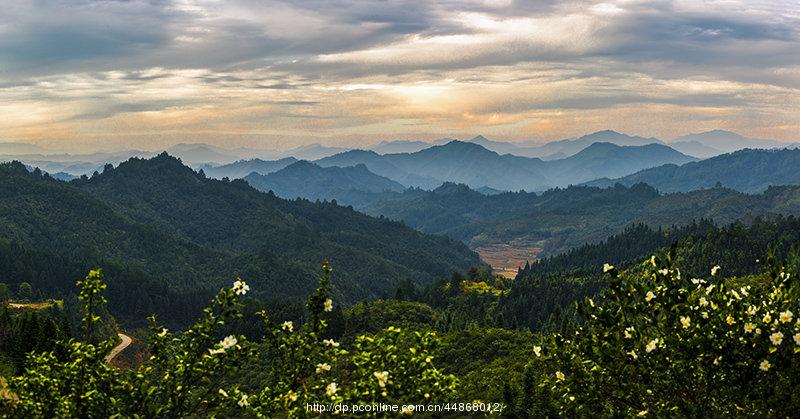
666,344
195,373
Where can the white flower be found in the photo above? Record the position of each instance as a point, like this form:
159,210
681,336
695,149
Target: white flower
288,326
240,287
735,295
383,378
330,390
767,318
213,351
717,360
797,339
758,330
163,332
243,401
607,268
649,296
749,327
744,291
323,367
703,302
537,350
786,316
633,354
776,338
651,346
765,365
710,288
653,260
291,396
752,310
642,413
628,334
228,342
223,393
330,342
704,314
664,271
328,305
686,321
730,320
560,376
714,270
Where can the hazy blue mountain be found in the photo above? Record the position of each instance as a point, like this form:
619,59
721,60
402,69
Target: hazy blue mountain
242,168
743,170
471,164
202,153
66,177
696,149
474,165
307,180
489,191
602,159
313,152
565,148
404,146
728,141
380,165
503,147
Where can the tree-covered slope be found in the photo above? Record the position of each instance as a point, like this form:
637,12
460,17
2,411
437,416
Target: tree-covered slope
560,219
745,170
307,180
158,222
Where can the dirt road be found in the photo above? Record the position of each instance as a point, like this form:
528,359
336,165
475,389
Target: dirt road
126,340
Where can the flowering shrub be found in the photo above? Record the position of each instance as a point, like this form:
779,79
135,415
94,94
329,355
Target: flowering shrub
195,373
664,344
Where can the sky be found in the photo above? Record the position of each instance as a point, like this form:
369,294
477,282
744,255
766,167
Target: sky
84,75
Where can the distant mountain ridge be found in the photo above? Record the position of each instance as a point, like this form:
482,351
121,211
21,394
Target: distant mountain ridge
727,141
744,170
307,180
474,165
242,168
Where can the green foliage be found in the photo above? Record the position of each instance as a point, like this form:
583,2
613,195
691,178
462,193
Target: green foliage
373,316
25,291
169,238
193,373
4,294
665,343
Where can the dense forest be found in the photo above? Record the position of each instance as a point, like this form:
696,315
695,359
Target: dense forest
763,167
168,237
561,219
702,314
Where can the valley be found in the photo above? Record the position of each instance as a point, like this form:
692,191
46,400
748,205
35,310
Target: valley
507,259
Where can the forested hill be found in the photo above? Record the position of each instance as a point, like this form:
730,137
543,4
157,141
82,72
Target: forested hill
307,180
165,234
745,170
560,219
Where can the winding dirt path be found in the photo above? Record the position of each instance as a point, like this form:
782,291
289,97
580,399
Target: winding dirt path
126,340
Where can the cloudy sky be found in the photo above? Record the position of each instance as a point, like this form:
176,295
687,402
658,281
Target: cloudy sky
84,74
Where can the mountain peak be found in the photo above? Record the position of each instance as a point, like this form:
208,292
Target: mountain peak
478,138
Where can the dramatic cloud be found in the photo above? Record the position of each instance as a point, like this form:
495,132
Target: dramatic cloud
82,74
